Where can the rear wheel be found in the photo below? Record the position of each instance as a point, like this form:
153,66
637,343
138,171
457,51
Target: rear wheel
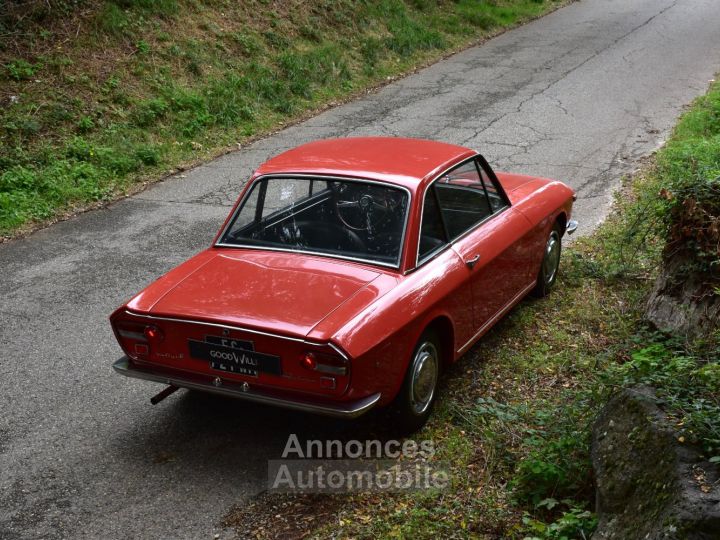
414,402
550,263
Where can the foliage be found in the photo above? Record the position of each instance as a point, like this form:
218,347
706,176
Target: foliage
553,436
20,69
677,205
575,522
150,98
687,379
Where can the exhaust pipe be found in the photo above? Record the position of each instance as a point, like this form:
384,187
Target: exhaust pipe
162,395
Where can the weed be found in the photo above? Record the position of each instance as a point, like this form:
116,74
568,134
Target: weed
166,8
147,154
143,46
276,40
149,112
407,36
85,124
112,20
248,43
227,102
687,380
575,522
21,70
371,49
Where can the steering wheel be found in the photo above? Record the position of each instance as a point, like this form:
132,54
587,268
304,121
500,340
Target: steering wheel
326,235
359,209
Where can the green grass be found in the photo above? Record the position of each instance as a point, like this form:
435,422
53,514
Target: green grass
680,200
103,95
513,422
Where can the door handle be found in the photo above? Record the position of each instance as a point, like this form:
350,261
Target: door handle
472,262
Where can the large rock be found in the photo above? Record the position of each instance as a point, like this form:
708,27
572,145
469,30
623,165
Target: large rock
649,485
684,301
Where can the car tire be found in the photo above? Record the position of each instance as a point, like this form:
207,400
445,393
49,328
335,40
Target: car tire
550,263
413,404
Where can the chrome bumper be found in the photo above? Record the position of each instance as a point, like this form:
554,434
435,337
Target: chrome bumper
207,383
571,227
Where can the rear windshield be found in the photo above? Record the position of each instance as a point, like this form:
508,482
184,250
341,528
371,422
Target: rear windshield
341,218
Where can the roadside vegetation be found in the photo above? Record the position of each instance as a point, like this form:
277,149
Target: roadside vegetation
513,424
97,97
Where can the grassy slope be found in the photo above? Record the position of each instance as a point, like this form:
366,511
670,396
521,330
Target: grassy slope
514,419
97,96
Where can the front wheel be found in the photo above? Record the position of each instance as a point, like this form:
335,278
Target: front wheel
414,402
550,263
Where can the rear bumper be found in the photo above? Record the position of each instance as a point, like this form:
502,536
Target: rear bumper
217,385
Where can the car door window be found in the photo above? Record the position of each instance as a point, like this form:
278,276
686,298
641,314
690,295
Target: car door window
463,199
432,232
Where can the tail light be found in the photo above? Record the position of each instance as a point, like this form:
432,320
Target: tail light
324,363
308,361
153,334
136,338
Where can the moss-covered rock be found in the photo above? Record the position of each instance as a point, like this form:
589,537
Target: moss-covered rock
684,299
650,485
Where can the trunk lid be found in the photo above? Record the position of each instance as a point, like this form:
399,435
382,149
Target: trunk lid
288,294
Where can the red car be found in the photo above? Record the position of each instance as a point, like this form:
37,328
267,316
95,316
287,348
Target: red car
347,275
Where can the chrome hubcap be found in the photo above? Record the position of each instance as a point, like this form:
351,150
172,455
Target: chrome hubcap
552,257
424,377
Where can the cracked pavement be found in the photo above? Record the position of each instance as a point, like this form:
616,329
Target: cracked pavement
580,95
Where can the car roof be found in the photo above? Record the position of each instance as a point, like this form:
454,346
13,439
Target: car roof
396,160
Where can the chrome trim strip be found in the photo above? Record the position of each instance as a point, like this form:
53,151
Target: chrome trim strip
219,325
320,254
515,299
333,347
241,329
571,227
239,390
315,253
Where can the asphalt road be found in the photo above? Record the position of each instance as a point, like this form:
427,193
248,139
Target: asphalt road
579,95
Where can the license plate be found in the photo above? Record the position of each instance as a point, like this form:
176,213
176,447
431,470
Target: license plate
234,356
